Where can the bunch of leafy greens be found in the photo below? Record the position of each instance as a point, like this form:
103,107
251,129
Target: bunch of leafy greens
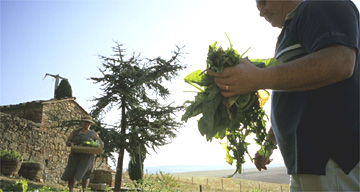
91,143
234,118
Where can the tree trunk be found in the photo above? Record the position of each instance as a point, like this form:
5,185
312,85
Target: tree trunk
119,169
118,175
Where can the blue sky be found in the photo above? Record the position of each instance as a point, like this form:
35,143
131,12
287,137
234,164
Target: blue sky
65,37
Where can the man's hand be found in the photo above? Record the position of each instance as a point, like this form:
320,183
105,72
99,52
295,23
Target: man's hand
310,72
261,161
239,79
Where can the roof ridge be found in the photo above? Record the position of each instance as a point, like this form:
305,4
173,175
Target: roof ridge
40,101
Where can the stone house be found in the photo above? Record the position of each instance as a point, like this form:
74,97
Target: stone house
36,129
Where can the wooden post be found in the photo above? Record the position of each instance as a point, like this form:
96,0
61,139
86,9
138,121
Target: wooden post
192,180
207,181
222,184
240,186
200,189
281,188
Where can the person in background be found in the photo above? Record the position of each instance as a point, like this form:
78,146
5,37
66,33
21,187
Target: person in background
315,100
80,165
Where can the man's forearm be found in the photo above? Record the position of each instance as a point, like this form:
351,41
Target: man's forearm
325,67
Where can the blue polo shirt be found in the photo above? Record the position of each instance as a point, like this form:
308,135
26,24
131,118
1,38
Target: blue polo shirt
315,125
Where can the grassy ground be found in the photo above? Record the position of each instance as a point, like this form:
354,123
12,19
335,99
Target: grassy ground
167,182
229,184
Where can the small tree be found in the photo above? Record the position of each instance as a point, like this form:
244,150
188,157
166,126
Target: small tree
63,90
135,87
136,164
135,168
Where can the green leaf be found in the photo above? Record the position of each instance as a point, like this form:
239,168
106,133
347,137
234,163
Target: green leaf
267,62
229,159
207,121
194,77
231,45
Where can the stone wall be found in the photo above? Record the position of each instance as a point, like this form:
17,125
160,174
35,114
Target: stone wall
43,141
21,135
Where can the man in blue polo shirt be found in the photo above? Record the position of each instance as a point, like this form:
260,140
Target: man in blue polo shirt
315,101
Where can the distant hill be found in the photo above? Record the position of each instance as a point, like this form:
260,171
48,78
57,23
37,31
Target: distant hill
192,168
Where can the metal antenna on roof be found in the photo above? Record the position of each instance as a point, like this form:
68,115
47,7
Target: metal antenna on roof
57,78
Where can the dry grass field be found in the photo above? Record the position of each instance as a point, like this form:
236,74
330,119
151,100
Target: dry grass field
274,179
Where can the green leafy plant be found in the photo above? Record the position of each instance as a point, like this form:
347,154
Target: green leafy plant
107,189
48,189
156,182
8,155
20,185
258,190
91,143
232,118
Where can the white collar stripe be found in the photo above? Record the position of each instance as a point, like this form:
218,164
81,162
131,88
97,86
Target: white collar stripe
292,47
